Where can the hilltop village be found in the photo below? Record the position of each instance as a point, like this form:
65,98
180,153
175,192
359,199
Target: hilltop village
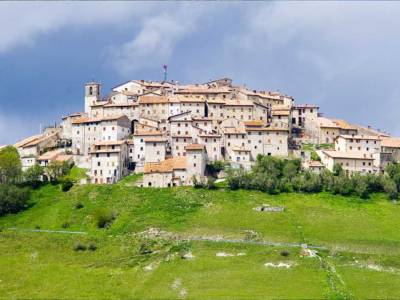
170,132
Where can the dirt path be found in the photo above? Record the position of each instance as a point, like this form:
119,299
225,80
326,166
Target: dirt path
48,231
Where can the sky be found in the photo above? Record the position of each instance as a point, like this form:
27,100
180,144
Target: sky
342,56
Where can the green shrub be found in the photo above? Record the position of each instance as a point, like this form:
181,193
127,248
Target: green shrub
285,253
13,199
211,183
65,225
92,247
79,246
78,205
390,189
104,217
360,186
66,185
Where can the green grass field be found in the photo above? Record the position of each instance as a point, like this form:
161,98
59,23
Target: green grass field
361,239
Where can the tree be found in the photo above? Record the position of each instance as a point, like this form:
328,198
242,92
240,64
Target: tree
390,188
10,165
55,170
393,170
360,186
33,175
12,198
291,168
337,170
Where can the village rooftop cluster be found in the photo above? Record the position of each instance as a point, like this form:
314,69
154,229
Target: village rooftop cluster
170,132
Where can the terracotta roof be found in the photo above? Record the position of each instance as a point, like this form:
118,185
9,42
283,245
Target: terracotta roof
216,101
239,103
50,155
371,131
348,155
85,120
201,90
121,104
153,100
64,157
109,143
195,147
344,125
192,100
327,123
315,163
155,140
40,139
147,132
360,137
267,129
166,166
27,140
253,123
390,142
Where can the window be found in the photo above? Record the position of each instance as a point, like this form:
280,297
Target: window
98,164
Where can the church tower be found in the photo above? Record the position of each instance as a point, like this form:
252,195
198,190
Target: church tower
92,95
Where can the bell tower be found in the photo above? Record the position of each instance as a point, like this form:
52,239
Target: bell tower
92,95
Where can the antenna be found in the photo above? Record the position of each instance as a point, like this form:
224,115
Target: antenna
165,67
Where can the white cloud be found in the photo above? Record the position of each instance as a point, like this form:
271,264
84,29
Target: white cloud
159,35
21,23
336,37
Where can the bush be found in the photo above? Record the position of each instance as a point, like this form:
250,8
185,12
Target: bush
33,175
13,199
390,189
78,205
65,225
285,253
198,184
104,217
92,247
360,186
337,170
66,185
211,183
79,247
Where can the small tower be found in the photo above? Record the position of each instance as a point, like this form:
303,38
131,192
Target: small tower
92,95
165,67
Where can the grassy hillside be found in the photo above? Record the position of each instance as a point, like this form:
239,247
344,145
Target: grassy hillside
219,228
